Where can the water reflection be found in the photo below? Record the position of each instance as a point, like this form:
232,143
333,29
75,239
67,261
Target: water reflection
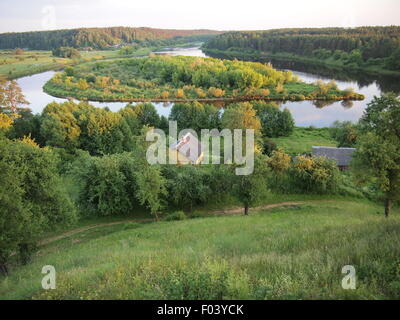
305,113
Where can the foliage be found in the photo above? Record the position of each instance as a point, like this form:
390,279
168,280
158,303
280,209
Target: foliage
183,78
32,199
345,133
242,116
250,189
175,216
11,97
117,184
314,175
146,114
195,115
378,153
355,45
100,37
275,122
279,162
99,131
66,52
27,124
268,146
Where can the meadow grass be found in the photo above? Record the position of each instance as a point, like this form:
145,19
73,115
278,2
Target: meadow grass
30,62
14,66
303,139
294,252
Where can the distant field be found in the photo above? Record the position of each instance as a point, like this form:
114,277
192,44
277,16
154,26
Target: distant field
294,252
30,62
13,66
303,139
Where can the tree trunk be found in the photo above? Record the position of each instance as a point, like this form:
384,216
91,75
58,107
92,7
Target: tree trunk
3,268
388,207
246,210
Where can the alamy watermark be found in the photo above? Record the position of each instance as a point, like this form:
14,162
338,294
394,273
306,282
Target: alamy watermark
349,280
186,148
49,280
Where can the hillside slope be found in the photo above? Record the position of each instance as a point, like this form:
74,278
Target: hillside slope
294,252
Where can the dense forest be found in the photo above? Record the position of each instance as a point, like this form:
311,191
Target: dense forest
357,46
96,37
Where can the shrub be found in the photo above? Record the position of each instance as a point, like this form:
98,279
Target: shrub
315,175
268,146
180,94
175,216
117,184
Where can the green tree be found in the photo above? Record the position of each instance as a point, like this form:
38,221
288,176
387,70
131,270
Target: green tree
274,122
345,133
241,116
187,186
377,158
146,114
32,198
195,115
251,189
117,184
66,52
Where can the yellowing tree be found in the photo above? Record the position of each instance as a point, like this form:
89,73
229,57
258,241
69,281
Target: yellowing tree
216,92
165,94
241,116
11,97
180,94
82,84
279,161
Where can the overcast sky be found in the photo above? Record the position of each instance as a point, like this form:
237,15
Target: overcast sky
27,15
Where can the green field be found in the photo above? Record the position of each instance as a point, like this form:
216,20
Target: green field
303,139
30,62
293,252
14,66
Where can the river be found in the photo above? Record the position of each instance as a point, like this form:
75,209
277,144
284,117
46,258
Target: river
305,113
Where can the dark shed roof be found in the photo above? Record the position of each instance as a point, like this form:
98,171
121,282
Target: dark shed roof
342,156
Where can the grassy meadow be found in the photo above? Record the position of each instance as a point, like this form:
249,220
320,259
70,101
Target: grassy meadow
292,252
14,66
303,138
30,62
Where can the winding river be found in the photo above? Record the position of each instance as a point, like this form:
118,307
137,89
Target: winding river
305,113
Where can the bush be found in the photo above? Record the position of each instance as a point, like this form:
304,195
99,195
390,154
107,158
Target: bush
66,52
346,133
314,175
175,216
268,146
117,184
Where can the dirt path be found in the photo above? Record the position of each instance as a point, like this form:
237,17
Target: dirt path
267,207
237,210
83,229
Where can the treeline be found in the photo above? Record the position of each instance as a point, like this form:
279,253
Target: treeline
98,37
363,43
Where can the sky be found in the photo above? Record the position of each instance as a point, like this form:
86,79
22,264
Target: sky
27,15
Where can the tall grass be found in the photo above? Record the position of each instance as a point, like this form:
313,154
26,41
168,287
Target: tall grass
296,252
